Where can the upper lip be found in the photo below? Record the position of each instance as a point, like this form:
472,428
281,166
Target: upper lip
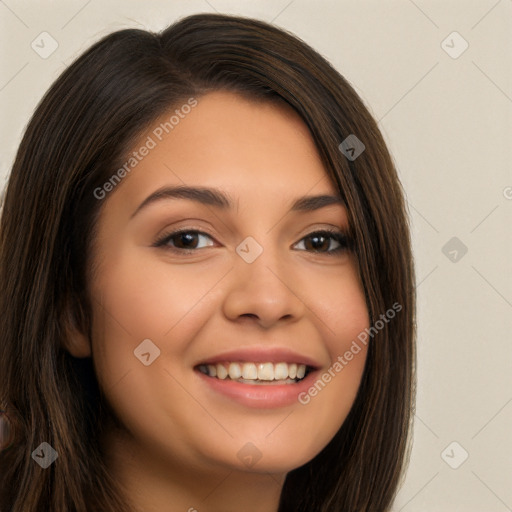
262,355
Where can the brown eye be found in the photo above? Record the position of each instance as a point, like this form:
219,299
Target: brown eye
318,243
185,240
327,242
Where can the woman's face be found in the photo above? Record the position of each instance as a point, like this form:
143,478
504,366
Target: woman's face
258,292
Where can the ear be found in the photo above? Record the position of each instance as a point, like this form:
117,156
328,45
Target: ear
74,340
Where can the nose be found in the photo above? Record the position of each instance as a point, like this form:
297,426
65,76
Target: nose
263,292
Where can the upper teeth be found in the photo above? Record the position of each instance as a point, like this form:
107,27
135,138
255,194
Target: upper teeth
255,371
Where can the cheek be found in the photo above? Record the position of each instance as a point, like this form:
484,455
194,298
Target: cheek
341,316
338,302
151,300
136,301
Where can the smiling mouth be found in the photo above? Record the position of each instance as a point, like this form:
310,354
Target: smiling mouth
256,373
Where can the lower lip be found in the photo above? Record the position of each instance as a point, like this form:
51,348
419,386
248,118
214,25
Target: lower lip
260,395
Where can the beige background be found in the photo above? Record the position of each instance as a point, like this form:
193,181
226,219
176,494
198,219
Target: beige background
448,124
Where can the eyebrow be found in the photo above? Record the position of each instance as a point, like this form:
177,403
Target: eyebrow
218,199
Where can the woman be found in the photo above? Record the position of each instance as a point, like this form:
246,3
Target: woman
207,285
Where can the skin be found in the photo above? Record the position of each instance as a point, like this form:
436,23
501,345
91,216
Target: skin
178,449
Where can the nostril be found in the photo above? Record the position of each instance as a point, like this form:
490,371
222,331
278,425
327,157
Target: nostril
250,315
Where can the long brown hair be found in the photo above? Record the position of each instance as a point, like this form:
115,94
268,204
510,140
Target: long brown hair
79,133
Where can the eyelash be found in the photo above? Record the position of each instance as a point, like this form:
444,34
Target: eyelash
338,236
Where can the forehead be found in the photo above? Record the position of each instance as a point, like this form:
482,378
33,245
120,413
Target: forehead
251,149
